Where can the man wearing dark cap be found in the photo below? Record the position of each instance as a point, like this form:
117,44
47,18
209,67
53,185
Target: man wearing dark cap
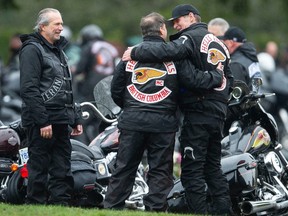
244,62
204,110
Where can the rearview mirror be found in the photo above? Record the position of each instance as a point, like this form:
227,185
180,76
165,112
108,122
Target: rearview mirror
256,83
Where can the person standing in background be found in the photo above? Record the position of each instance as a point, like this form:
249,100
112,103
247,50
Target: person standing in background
10,76
48,111
218,26
72,50
272,48
244,62
97,61
14,48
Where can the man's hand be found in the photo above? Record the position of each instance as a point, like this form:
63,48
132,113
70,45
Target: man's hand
220,67
127,54
46,132
78,130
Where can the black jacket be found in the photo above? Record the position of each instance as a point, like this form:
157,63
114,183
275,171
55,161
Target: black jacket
244,63
204,51
46,83
148,92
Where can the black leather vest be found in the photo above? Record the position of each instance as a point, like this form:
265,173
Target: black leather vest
56,80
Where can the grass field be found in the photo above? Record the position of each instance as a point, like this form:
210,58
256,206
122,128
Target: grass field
33,210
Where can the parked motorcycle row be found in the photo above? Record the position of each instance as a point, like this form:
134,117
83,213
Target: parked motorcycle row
252,159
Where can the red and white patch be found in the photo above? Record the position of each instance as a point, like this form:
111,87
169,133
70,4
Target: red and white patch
148,98
209,38
159,82
143,75
170,67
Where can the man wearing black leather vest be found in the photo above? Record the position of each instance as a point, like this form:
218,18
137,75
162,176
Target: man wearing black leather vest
48,110
148,94
204,110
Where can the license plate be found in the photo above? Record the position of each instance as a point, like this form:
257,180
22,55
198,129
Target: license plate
24,155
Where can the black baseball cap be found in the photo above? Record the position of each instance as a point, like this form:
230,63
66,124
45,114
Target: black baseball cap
234,33
182,10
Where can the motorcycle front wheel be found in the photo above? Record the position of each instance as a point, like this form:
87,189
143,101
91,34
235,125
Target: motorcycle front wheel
16,189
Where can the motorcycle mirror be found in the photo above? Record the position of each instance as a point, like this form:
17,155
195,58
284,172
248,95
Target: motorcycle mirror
256,83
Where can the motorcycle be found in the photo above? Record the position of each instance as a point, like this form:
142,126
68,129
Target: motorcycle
252,159
12,144
91,165
103,149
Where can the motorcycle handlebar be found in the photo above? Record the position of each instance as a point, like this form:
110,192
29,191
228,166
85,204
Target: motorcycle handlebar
263,95
85,115
250,97
257,96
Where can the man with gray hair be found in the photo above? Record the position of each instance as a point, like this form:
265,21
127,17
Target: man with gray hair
48,110
218,26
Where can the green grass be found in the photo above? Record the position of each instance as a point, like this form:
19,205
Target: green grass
33,210
39,210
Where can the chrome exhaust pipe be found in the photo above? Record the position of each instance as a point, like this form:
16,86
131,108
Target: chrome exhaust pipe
248,208
256,206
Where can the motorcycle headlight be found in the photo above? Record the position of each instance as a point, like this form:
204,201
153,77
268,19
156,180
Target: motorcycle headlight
273,163
237,93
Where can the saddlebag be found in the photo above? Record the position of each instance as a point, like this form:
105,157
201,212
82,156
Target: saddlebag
5,166
241,172
83,171
9,143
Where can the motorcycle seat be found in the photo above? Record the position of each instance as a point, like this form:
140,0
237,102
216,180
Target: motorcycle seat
94,154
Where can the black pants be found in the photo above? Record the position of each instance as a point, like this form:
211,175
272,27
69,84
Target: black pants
201,156
160,147
49,166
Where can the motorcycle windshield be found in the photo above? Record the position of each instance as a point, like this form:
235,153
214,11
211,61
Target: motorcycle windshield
103,99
